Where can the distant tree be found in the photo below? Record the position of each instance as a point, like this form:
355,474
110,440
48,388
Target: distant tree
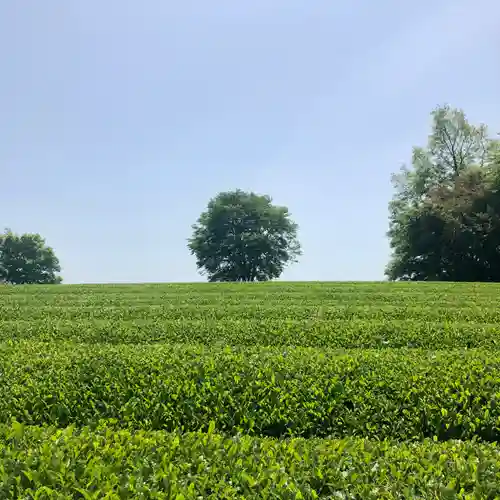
455,234
25,259
444,215
244,237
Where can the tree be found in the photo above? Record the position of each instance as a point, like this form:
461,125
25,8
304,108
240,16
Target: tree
25,259
243,237
443,215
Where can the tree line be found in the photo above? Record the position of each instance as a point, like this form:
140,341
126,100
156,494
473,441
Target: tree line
444,221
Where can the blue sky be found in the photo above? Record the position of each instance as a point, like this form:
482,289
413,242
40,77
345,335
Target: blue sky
120,119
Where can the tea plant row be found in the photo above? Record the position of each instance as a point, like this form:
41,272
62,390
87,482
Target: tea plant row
83,463
355,333
267,311
396,394
314,294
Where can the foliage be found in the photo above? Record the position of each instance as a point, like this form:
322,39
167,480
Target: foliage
27,259
397,394
324,315
243,237
444,217
117,377
83,463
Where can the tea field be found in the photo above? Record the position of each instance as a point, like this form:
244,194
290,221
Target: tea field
265,390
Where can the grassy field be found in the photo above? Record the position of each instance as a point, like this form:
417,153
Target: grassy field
272,390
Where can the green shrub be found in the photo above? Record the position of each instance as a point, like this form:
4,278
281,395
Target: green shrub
326,315
71,463
401,394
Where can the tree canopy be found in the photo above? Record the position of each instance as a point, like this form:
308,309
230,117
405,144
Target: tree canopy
244,237
445,214
26,259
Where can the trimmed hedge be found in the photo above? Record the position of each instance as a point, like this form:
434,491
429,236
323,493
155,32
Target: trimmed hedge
326,315
346,334
400,394
70,463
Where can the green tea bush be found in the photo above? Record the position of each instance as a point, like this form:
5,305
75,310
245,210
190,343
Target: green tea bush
82,463
269,390
400,394
346,334
372,315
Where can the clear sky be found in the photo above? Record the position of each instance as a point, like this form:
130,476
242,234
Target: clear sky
120,119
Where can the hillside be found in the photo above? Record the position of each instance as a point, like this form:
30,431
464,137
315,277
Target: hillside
270,390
